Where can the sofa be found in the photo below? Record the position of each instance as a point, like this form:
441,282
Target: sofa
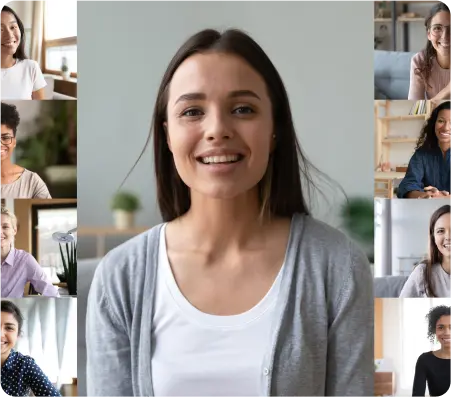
392,74
389,286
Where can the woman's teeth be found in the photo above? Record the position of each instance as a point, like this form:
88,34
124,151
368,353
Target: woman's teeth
220,159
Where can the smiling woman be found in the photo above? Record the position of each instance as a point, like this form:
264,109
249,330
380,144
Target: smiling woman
21,77
17,182
433,368
240,291
20,374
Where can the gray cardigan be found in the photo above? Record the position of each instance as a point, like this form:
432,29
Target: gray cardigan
323,340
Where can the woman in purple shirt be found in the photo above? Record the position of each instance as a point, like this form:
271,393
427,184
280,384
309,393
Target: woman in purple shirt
18,266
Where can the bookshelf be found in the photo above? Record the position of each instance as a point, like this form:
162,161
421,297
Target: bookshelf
401,18
386,138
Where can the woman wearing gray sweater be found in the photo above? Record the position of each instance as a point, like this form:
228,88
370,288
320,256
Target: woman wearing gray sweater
240,291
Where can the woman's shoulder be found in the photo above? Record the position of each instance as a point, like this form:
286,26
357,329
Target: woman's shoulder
418,58
29,64
132,259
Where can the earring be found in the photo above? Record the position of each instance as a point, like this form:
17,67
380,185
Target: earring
274,136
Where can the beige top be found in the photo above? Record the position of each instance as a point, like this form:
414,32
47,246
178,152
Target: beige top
438,80
415,286
29,185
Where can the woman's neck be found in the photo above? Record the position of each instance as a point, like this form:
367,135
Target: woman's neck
5,253
7,167
444,147
444,352
7,61
443,61
445,264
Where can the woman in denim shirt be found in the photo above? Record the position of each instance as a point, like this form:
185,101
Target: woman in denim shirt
428,173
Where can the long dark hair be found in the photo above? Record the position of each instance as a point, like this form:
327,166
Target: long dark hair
280,190
435,256
428,139
11,308
20,52
429,52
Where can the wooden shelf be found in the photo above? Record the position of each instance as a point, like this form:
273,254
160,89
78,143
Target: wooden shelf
417,19
404,118
380,175
399,140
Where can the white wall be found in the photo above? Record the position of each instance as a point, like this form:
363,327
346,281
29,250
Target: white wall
24,9
125,47
410,227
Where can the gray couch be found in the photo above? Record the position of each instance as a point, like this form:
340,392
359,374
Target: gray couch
388,286
391,74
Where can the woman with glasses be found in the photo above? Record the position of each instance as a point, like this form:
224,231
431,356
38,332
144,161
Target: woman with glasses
429,70
433,368
240,292
21,77
17,182
428,172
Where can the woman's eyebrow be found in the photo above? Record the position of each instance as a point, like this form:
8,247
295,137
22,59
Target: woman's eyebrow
201,96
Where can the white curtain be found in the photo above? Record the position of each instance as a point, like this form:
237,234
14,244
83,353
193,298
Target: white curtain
50,336
37,31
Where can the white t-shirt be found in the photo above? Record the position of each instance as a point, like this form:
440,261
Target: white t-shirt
20,80
198,354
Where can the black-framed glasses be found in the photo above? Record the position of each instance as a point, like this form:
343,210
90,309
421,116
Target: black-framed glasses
7,139
438,30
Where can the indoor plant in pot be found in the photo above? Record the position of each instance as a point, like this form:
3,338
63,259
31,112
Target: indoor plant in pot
124,206
69,259
65,69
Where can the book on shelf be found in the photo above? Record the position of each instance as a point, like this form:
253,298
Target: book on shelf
419,107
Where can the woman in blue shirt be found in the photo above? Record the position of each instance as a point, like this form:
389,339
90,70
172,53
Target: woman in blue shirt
20,374
428,173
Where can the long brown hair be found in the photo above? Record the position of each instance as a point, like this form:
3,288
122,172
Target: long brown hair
429,52
435,256
280,190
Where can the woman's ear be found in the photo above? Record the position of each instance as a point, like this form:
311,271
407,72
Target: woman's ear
272,145
168,140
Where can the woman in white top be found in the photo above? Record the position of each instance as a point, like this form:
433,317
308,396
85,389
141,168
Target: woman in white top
431,278
21,77
240,292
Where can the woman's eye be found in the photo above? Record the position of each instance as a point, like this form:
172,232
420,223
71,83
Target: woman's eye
243,110
192,113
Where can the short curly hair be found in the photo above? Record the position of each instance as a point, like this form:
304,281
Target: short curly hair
10,117
433,316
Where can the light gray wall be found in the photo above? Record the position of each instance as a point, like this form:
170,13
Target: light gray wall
323,51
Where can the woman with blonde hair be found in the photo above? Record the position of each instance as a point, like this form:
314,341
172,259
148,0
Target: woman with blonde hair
18,266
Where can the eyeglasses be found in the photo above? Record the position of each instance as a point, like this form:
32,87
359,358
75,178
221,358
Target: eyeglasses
7,139
437,30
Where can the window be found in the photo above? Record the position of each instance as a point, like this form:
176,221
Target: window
60,36
48,219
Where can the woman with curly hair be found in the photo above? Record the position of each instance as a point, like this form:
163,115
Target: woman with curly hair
433,368
17,182
428,173
429,70
21,77
431,278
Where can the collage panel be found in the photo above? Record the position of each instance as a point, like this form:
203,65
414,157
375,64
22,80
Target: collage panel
412,248
412,155
39,339
39,60
411,50
412,347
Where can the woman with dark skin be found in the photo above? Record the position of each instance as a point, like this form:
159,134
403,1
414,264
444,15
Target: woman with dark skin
428,173
433,368
20,373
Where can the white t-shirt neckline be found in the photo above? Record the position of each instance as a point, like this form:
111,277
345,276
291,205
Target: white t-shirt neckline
209,320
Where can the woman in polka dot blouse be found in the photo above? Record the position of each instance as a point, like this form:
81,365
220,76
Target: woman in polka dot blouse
20,374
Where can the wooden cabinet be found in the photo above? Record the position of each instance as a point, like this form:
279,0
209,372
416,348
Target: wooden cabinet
384,383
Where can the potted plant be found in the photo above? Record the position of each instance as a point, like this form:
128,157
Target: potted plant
69,274
124,205
65,69
358,220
